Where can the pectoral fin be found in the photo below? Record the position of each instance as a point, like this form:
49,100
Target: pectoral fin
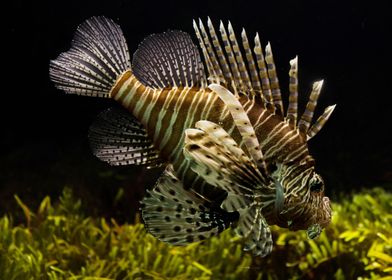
179,217
254,229
216,157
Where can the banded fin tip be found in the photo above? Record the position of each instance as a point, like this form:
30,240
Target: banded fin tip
319,124
292,110
307,116
97,57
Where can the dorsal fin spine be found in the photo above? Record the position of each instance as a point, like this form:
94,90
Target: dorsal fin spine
266,89
210,67
222,59
231,57
274,82
292,110
318,125
211,53
244,76
307,116
256,74
251,63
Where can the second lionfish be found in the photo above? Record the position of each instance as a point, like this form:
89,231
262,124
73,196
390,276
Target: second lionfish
232,156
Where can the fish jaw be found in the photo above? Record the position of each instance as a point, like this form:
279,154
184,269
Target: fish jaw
316,216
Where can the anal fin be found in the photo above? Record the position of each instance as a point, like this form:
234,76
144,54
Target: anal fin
117,138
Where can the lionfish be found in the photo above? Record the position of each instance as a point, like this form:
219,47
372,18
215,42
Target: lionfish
232,157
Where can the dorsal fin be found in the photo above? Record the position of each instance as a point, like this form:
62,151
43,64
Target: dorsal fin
226,67
168,59
292,110
307,116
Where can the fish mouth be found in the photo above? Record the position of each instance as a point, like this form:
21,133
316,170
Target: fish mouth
323,219
326,215
316,223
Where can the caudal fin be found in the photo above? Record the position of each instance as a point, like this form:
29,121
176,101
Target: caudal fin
97,57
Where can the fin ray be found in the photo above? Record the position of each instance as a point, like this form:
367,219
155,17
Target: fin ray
274,82
168,59
292,110
307,116
253,227
216,157
243,124
318,125
119,139
179,217
97,57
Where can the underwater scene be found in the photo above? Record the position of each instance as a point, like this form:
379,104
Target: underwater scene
173,140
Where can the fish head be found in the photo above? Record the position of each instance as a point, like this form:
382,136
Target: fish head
314,209
303,204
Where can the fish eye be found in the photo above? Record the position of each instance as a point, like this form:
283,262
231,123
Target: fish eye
316,184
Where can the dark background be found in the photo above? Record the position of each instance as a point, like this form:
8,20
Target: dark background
44,132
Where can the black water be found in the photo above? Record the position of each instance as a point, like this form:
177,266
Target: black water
44,132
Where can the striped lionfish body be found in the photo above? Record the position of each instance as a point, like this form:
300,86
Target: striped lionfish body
232,156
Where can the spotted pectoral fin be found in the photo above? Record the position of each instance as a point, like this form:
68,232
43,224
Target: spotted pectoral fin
216,157
179,217
117,138
253,227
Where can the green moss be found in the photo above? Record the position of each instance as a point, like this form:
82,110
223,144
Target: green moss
60,242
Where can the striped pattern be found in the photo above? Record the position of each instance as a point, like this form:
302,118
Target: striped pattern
226,66
167,113
92,66
117,138
166,91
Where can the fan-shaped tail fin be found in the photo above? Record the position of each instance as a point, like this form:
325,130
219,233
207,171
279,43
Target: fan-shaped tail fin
97,57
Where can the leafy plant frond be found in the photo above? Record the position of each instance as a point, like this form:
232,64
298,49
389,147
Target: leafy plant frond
59,242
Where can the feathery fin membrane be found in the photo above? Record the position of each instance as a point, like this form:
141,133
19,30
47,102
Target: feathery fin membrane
216,157
117,138
168,59
97,57
179,217
255,230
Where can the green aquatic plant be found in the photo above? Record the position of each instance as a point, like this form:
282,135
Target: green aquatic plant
59,242
357,244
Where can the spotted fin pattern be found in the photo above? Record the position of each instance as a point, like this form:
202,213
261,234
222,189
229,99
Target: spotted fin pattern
180,217
216,157
117,138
